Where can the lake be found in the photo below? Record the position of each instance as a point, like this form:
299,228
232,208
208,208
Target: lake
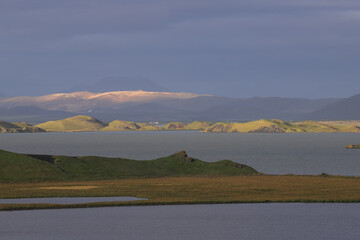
295,221
269,153
296,153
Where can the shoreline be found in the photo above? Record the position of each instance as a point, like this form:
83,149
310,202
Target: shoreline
24,207
191,190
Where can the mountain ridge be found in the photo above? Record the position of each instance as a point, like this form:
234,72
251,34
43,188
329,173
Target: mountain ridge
171,106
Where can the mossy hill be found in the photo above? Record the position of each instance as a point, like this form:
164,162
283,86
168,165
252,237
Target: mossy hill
18,127
73,124
16,167
279,126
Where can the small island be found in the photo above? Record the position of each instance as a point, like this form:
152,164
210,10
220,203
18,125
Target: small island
353,146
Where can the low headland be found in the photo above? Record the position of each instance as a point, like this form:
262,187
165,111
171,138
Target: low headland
175,179
84,123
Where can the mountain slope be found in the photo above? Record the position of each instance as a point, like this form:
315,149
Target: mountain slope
31,114
346,109
166,106
84,102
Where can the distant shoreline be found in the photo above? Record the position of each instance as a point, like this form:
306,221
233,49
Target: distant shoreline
82,123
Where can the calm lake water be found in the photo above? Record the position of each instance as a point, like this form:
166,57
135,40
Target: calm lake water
299,153
268,153
293,221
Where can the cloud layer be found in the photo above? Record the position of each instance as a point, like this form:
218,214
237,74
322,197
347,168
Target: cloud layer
235,48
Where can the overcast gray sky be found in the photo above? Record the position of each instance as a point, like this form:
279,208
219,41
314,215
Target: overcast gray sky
238,48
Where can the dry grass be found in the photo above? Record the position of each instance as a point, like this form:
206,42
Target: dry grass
191,190
70,187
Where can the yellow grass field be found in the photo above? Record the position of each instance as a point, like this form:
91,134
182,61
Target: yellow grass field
192,190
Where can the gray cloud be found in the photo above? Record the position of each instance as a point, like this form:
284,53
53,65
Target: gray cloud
245,48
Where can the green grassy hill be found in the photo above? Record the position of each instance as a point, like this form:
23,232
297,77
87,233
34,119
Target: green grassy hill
279,126
79,123
16,167
119,125
33,168
86,123
196,125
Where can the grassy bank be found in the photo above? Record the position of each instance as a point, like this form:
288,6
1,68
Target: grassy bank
191,190
15,167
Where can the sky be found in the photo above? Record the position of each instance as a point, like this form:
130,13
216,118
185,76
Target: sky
235,48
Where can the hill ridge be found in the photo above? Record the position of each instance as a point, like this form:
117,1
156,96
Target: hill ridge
15,167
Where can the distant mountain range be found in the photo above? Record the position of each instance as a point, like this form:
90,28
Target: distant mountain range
116,83
144,106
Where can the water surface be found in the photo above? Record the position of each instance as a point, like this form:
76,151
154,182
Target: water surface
297,153
295,221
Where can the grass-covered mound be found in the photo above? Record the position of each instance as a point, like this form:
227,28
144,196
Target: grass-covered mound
119,125
196,125
73,124
32,168
16,167
280,126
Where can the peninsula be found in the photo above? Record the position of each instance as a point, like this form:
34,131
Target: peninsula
176,179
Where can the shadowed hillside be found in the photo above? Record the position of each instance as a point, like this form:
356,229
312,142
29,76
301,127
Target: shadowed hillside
119,125
346,109
29,168
18,127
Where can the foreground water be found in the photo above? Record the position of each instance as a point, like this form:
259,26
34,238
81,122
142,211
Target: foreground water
201,222
268,153
298,153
